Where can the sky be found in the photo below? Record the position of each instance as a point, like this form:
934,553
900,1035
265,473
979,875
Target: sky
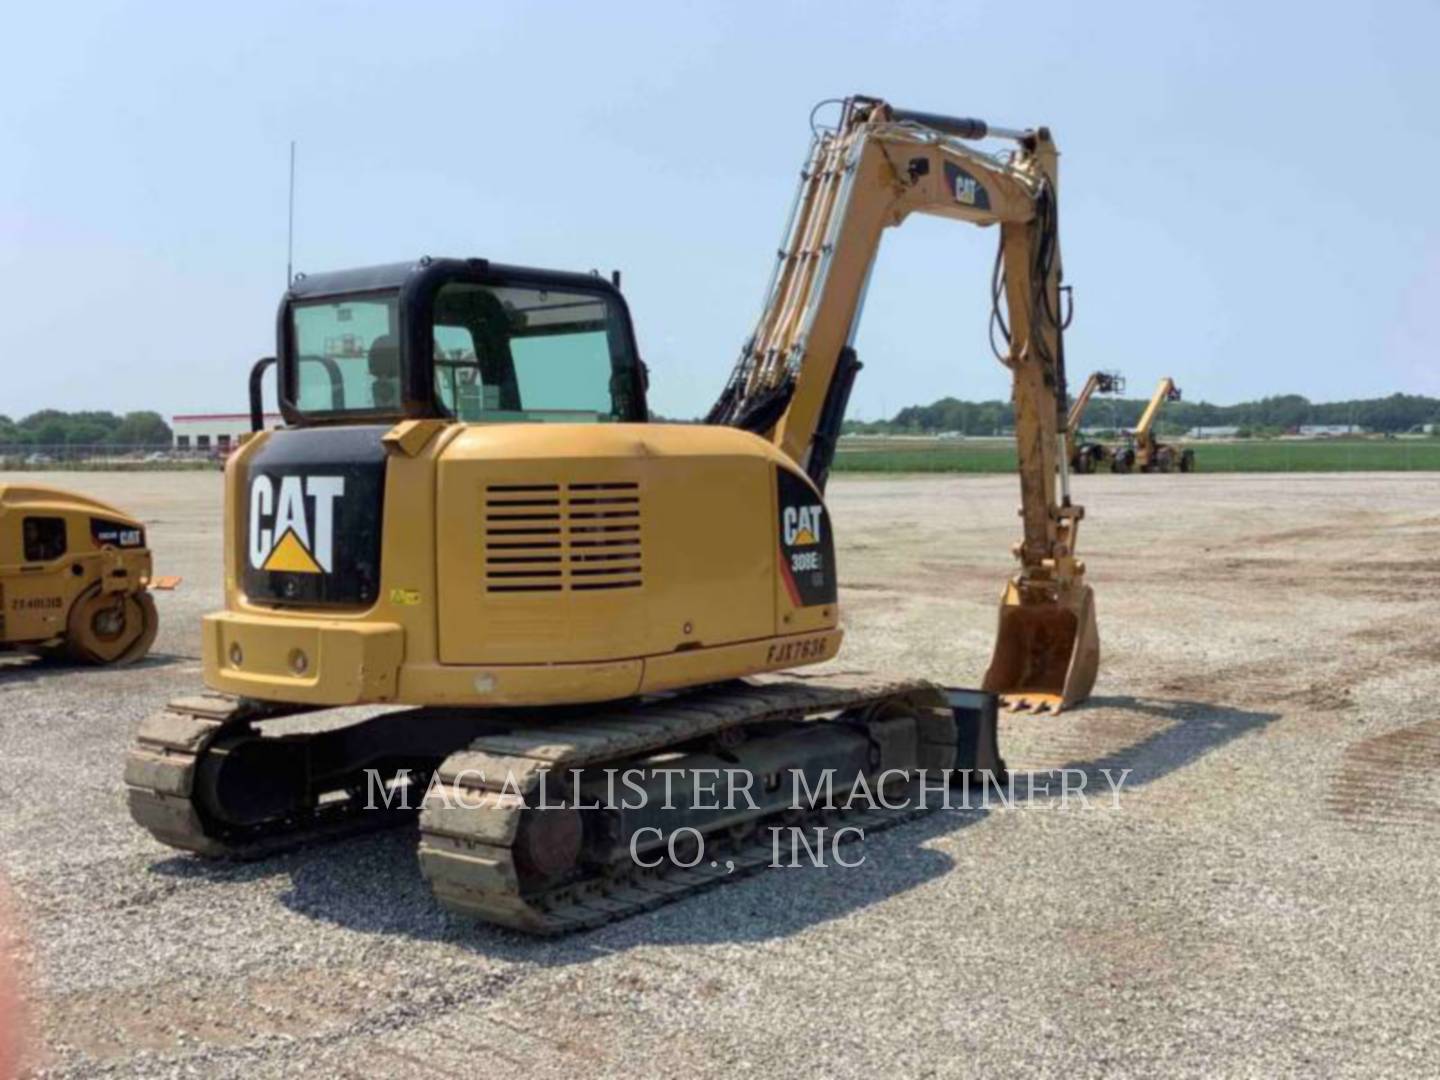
1246,188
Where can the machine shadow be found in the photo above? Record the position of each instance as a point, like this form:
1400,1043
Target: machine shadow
373,884
1195,729
20,668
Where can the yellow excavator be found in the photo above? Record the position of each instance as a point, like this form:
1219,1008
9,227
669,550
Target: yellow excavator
1087,457
469,515
75,576
1145,453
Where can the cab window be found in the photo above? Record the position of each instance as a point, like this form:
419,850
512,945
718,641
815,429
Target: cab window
347,355
44,538
511,352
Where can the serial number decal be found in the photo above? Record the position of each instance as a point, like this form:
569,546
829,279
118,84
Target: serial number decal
36,603
788,652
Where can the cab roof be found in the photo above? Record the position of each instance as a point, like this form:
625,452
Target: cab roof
398,274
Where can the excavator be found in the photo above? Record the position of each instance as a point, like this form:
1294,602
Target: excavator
1145,453
1087,457
468,518
75,575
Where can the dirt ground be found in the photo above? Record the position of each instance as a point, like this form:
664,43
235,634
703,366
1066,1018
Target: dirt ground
1262,900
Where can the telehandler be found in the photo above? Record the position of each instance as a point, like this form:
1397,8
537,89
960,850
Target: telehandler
468,514
74,578
1087,457
1145,453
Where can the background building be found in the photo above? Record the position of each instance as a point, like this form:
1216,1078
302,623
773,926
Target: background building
214,431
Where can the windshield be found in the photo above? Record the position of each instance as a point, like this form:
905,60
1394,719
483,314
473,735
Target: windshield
510,352
500,353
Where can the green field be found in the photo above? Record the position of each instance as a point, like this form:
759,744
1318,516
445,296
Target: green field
1269,455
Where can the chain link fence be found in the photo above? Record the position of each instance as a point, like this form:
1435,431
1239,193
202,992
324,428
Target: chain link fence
38,457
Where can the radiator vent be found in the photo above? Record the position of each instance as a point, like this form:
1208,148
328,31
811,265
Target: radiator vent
562,538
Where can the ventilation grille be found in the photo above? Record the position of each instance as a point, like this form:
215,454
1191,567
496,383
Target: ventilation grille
554,538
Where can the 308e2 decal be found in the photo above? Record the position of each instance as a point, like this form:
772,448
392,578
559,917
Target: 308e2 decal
807,552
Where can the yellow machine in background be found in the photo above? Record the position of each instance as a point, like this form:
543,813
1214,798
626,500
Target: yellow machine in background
74,578
1145,453
1087,457
470,513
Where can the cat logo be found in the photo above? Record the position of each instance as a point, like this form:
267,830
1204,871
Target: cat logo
292,530
801,525
968,191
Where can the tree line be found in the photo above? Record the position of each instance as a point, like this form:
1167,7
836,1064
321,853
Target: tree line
53,427
1395,414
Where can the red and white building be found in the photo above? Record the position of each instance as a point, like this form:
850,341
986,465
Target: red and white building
214,431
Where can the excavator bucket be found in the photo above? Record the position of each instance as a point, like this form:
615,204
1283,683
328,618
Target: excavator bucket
1047,652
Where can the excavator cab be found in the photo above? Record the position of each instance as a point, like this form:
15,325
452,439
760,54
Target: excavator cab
456,340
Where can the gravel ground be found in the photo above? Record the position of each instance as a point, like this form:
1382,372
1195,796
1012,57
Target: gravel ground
1262,901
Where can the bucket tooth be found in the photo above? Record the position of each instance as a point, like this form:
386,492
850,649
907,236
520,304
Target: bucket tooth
1047,650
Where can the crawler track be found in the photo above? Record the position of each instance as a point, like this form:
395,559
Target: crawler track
162,780
473,816
484,773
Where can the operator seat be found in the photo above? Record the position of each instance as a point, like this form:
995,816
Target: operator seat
384,363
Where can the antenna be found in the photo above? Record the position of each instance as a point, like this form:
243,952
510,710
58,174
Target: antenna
290,227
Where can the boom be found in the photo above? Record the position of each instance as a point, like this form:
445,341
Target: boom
793,378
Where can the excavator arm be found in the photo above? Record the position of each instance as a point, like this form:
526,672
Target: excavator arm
877,167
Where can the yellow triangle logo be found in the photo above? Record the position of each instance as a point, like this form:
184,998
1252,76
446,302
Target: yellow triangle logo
290,556
803,538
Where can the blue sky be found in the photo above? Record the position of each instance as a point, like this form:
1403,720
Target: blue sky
1246,199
